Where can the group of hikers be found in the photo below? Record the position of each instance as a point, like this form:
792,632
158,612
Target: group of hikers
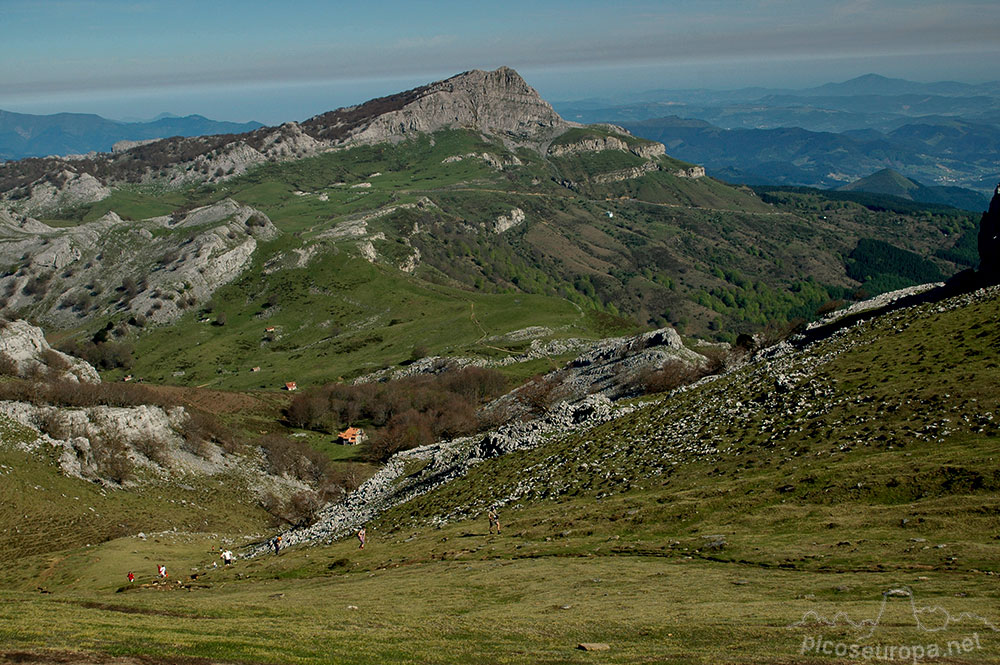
227,555
161,570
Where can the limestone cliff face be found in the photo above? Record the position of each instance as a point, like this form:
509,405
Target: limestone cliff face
68,188
644,149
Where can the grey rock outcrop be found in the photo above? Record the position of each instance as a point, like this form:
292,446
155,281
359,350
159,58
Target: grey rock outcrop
67,188
126,145
494,102
61,274
25,347
509,221
137,446
640,148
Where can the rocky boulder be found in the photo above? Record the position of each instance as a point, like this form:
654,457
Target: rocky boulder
24,348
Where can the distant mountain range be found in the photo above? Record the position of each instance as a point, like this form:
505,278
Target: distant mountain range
25,135
940,150
869,99
945,133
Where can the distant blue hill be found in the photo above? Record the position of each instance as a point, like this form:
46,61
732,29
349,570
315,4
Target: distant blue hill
25,135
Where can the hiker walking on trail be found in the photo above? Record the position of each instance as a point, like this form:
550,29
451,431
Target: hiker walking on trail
362,537
277,544
131,577
227,557
494,520
161,571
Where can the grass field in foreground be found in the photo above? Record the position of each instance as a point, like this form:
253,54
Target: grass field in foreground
459,595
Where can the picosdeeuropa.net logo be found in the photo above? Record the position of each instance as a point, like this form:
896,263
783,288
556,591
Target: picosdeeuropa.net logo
941,633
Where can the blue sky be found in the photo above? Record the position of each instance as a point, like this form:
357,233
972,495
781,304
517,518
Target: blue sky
272,61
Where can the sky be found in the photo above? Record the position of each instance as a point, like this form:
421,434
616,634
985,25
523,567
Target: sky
272,62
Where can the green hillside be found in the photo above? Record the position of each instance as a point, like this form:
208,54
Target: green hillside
482,246
702,528
885,181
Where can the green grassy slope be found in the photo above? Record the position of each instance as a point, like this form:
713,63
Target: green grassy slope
43,512
880,435
699,529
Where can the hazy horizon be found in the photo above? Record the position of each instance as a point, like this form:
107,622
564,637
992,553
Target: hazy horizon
247,61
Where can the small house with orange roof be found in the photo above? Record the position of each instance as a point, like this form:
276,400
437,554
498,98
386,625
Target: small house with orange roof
351,436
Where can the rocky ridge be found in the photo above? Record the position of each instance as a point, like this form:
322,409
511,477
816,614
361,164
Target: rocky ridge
131,447
496,102
606,368
780,390
155,268
416,472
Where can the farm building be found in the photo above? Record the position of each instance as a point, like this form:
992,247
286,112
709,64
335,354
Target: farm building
351,436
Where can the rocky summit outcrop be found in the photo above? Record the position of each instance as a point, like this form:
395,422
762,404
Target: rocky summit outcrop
638,147
27,354
989,240
64,188
497,102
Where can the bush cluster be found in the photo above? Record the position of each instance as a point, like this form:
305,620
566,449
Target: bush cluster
404,413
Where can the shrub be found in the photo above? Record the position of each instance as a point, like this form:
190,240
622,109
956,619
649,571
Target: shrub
37,285
405,431
54,360
111,457
540,393
829,306
169,257
102,354
447,399
202,429
672,374
293,459
8,366
154,449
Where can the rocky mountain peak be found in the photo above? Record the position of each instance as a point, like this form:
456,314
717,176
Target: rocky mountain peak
495,102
